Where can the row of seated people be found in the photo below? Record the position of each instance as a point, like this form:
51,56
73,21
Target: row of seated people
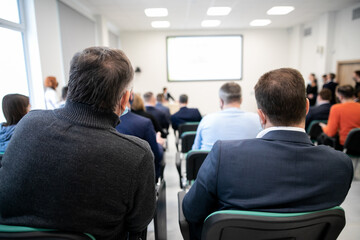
70,169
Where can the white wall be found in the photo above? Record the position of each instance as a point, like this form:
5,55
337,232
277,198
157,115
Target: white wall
335,37
264,50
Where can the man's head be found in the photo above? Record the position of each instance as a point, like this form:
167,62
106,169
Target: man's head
149,98
101,77
164,90
331,77
160,98
281,98
325,95
183,99
345,92
357,76
230,94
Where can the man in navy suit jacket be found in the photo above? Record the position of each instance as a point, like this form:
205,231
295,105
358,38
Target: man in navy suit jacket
138,126
280,170
331,85
159,105
150,102
322,110
185,114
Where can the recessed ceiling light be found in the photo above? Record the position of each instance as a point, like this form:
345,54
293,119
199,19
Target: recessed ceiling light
156,12
160,24
218,11
280,10
260,22
210,23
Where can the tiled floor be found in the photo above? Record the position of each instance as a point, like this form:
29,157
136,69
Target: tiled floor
351,204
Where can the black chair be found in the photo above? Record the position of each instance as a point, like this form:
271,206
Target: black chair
194,160
8,232
160,212
352,146
249,225
187,140
314,130
185,127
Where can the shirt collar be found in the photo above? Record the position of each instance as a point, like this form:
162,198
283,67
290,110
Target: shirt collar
265,131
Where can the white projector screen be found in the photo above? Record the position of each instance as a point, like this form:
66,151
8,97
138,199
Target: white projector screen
202,58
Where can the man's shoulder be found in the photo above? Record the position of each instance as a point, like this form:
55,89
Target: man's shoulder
131,143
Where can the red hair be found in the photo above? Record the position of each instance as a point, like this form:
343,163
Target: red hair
51,82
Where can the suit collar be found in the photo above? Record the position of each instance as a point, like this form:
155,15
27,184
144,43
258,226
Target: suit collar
288,136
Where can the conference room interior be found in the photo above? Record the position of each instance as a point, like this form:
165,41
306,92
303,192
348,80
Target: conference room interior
315,37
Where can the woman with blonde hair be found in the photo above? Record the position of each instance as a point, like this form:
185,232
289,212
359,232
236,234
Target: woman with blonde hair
14,107
51,98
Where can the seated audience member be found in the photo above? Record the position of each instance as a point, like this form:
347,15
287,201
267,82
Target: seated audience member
69,169
184,114
230,123
331,84
322,109
63,96
312,89
159,105
280,170
150,102
14,107
138,108
167,95
138,126
343,116
51,97
356,78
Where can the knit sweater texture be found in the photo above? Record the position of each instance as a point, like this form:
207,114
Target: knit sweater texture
69,169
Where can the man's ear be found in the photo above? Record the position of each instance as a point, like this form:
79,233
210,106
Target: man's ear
307,106
221,103
124,100
262,117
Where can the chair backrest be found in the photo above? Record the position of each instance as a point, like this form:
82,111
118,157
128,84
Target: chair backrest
187,127
194,160
314,129
231,224
187,140
352,143
19,232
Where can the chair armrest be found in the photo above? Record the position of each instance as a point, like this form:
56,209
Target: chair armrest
184,225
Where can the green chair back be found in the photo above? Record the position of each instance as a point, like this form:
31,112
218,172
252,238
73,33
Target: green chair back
249,225
20,232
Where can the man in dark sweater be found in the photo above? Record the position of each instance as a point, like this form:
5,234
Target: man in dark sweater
69,169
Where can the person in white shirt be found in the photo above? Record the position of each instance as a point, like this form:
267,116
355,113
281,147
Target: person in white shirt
51,98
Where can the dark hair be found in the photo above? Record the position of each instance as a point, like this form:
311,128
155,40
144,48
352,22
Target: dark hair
159,97
332,76
325,94
14,107
281,95
164,88
183,98
64,92
99,77
347,91
314,76
324,76
147,96
230,92
357,73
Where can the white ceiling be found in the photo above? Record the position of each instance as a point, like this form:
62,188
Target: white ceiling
128,15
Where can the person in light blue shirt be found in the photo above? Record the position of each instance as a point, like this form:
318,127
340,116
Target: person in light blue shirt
229,124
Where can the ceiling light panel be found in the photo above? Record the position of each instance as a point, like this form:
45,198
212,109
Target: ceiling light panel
160,24
210,23
218,11
280,10
156,12
260,22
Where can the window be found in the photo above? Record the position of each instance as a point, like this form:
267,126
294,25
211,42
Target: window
13,72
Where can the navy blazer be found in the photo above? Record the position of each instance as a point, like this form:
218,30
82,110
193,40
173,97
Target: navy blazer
136,125
281,172
185,115
159,116
165,110
320,112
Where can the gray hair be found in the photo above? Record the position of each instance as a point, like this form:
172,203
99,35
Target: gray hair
230,92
